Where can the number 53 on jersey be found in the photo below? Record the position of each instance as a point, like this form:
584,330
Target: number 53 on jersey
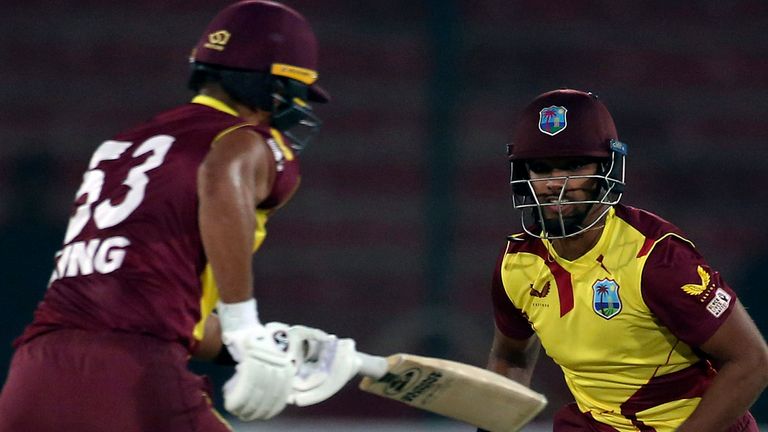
105,255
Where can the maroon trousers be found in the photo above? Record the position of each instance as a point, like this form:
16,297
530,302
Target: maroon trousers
570,419
75,380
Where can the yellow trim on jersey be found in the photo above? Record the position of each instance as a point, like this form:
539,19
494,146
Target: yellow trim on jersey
670,235
261,229
221,106
278,137
215,104
210,295
303,75
228,130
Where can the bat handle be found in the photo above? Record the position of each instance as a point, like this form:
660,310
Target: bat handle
372,366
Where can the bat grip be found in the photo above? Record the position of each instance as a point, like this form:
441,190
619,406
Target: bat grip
372,366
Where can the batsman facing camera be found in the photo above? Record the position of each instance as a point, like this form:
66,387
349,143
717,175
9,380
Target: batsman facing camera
566,124
647,334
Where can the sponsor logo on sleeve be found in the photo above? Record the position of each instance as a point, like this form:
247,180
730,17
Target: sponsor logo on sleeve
719,303
702,290
278,153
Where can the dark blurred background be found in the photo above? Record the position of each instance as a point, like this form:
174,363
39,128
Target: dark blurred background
404,202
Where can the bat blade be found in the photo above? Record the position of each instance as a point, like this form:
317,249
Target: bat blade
457,390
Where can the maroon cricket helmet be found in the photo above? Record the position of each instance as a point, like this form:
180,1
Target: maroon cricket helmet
559,124
563,123
259,35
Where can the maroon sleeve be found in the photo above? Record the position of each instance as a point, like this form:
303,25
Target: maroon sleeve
286,176
687,296
509,319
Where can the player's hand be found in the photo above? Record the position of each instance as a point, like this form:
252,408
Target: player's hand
327,364
266,365
261,385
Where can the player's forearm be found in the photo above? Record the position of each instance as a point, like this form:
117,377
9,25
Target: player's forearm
732,392
229,254
505,368
514,359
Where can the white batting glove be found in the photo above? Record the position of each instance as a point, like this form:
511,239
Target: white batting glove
327,365
265,357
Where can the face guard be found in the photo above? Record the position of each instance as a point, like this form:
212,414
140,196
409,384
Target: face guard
608,192
284,92
291,114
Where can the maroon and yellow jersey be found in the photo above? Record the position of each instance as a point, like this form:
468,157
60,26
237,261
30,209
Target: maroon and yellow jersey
133,258
623,321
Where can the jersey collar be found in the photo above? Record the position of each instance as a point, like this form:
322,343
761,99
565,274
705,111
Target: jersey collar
215,104
598,248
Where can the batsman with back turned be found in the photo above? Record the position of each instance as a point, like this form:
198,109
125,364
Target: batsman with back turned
648,335
162,232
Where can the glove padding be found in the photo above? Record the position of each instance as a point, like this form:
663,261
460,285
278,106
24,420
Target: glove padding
327,364
265,368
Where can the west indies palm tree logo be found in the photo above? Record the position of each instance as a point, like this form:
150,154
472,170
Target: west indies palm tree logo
552,120
605,298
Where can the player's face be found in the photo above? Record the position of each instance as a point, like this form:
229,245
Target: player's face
558,182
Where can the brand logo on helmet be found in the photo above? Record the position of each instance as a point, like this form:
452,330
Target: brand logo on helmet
552,120
303,75
218,40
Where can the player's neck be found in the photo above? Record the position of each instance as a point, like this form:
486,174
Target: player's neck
572,248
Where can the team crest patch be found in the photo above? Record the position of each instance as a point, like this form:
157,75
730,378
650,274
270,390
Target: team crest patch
552,120
605,298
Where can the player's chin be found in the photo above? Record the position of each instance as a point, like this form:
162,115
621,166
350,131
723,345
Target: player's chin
569,225
565,212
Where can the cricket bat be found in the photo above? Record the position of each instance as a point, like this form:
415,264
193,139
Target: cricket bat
460,391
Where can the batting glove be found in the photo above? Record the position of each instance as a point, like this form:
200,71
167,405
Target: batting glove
266,365
327,365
